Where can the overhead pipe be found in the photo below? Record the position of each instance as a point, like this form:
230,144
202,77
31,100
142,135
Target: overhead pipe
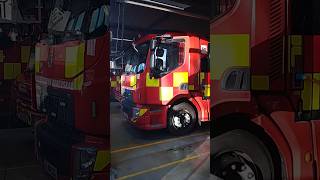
122,39
170,10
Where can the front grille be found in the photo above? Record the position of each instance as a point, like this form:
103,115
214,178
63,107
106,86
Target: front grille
60,108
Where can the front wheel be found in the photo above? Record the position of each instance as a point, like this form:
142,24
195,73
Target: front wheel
181,119
239,155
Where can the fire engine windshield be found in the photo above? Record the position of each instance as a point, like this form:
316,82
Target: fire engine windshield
305,17
89,18
221,7
135,58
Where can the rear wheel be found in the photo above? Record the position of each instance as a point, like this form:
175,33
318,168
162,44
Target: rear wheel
181,119
239,155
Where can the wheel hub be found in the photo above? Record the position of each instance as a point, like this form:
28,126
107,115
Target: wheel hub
177,122
235,166
181,119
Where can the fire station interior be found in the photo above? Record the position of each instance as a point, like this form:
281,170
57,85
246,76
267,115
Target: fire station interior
153,154
61,118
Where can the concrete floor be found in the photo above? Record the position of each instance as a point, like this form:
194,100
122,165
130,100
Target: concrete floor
17,160
140,155
135,154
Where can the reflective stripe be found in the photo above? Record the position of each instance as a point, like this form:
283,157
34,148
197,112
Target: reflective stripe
307,92
133,81
102,160
11,70
152,82
165,93
228,51
118,79
191,87
113,84
37,59
295,42
295,51
207,90
2,56
25,54
142,112
78,82
316,92
201,77
180,78
74,61
260,83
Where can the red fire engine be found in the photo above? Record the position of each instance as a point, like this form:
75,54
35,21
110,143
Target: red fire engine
14,58
26,110
166,82
265,106
72,86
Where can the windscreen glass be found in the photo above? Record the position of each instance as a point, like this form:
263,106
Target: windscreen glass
305,17
135,58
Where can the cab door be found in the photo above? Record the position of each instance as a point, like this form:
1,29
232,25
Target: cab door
304,65
204,82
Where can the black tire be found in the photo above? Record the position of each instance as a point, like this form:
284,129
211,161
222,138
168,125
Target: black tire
177,110
241,150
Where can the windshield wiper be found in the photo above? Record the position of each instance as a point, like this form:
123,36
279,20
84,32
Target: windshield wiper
134,47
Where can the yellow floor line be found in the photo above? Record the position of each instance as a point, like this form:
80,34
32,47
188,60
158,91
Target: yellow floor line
160,166
155,143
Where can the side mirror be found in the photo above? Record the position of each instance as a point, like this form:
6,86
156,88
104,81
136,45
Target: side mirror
159,52
161,58
153,44
152,60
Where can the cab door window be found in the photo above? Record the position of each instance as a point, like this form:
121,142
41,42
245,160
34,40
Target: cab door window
221,7
135,58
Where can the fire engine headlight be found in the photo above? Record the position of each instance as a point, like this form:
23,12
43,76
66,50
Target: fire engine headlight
84,161
137,112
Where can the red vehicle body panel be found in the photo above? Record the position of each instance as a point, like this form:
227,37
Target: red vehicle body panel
12,63
149,97
273,108
90,98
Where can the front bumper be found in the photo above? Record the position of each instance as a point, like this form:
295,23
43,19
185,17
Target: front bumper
56,153
146,117
52,149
